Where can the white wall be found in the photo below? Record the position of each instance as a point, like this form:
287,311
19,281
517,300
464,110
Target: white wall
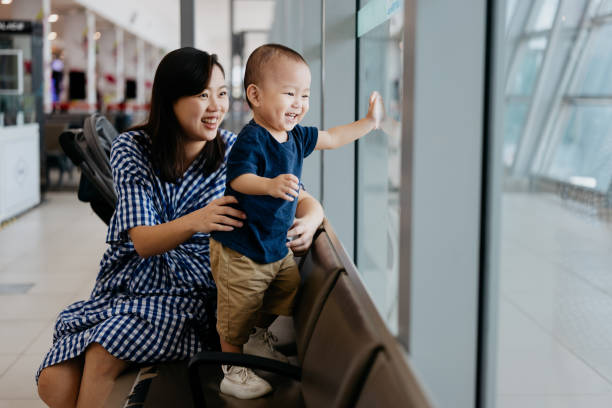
212,29
107,63
21,10
156,21
74,36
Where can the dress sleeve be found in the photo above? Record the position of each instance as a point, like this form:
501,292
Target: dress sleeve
132,179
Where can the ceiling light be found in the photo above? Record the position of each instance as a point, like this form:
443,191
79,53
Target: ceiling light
7,1
52,36
53,18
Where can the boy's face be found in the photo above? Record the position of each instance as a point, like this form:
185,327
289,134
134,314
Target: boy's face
283,95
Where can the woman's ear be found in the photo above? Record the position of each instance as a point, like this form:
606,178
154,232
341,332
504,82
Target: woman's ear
253,95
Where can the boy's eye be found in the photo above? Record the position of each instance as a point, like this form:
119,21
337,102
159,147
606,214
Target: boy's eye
223,93
306,96
204,95
290,93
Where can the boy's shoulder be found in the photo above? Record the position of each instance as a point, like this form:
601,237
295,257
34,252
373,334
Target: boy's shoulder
249,130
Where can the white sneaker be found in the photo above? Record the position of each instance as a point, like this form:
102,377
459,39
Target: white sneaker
261,343
243,383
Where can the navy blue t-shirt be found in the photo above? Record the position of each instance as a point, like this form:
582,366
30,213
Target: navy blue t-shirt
263,236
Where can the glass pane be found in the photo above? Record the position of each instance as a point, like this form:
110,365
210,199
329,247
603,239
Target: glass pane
510,8
378,178
529,62
546,15
514,120
596,75
605,7
584,154
551,233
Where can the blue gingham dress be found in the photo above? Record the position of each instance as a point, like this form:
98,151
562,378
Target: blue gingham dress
154,309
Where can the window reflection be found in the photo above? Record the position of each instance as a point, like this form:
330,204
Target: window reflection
556,201
378,178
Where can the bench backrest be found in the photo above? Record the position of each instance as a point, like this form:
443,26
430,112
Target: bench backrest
351,358
319,269
341,350
388,384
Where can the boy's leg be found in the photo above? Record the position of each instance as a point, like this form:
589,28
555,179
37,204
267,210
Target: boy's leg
240,289
280,297
229,348
264,320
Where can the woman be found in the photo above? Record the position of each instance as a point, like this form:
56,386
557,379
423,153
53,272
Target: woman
154,298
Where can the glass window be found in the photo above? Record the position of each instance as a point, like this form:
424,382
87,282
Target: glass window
528,66
596,75
554,300
605,7
546,15
516,113
584,154
510,9
378,174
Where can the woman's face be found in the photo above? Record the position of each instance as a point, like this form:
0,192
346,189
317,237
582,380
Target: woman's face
200,115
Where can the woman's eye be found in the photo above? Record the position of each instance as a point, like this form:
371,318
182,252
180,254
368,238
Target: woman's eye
306,96
223,93
290,93
204,95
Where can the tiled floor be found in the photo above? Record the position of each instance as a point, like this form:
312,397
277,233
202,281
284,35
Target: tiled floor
57,247
555,315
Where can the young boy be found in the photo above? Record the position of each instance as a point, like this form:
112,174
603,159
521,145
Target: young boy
256,275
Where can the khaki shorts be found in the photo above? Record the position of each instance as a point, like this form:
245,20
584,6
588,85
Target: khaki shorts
246,288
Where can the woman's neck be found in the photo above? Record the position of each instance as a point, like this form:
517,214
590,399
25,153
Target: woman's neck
192,151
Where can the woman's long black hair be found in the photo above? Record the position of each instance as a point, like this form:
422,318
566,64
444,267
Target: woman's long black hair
182,72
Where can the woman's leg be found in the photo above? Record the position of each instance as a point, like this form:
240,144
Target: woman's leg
99,374
58,385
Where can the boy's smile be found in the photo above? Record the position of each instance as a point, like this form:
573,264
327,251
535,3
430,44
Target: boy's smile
283,96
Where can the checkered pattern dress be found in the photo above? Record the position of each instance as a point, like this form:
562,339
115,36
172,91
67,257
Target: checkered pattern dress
155,309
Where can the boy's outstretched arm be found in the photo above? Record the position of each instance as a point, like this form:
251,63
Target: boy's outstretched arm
341,135
283,186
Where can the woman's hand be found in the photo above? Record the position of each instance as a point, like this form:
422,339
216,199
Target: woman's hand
217,216
308,217
301,233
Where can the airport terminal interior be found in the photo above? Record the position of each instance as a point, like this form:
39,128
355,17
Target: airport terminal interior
478,217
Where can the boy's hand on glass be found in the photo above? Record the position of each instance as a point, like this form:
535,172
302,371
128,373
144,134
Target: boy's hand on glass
284,186
376,109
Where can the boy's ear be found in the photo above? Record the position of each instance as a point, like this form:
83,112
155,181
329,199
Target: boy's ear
252,94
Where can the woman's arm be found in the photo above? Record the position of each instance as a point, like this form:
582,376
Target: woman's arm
157,239
308,216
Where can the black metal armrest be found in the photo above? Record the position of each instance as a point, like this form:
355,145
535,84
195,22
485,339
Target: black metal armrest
242,360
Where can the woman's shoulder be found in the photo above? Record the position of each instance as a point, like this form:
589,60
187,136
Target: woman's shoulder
134,141
131,145
228,137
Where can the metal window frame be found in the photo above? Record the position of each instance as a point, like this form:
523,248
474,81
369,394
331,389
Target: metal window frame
559,114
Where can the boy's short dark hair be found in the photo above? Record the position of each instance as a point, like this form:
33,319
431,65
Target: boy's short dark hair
260,57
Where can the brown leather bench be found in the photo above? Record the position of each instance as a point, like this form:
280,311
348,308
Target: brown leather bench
346,357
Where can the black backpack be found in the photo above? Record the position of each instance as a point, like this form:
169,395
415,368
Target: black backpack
89,148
